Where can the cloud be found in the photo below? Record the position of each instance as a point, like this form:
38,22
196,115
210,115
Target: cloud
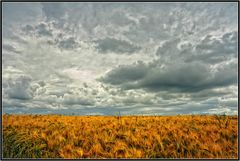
113,45
68,43
106,57
28,28
53,10
180,77
182,66
214,50
72,100
208,93
10,48
17,38
121,19
221,111
54,36
19,88
124,74
229,102
42,30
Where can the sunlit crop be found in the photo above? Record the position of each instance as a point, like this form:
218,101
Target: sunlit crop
56,136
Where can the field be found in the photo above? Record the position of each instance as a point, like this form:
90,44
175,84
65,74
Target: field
57,136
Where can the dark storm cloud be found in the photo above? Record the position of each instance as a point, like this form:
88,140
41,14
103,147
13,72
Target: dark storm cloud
113,45
182,66
206,94
124,74
180,77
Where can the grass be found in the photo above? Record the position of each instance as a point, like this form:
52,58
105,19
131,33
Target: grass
58,136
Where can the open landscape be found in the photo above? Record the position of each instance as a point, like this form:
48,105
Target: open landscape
120,80
58,136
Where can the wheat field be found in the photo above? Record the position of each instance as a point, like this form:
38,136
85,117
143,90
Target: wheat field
58,136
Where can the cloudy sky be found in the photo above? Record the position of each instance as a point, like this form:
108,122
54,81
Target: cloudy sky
132,58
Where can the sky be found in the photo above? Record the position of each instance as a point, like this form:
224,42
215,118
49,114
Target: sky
133,58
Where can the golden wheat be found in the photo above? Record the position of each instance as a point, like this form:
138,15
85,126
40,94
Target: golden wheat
56,136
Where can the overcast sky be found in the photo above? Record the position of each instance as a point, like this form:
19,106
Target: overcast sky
136,58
